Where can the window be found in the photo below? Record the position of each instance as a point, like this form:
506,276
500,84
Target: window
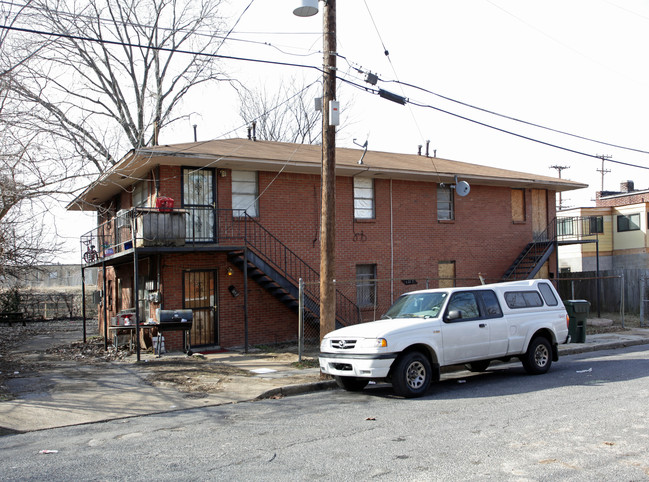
596,224
363,198
565,226
445,209
491,305
446,274
466,303
523,299
518,205
548,295
244,193
628,223
140,194
366,285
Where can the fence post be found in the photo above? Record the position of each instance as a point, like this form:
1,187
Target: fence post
300,325
622,278
642,290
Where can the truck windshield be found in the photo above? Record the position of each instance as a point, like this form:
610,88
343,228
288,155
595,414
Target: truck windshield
417,305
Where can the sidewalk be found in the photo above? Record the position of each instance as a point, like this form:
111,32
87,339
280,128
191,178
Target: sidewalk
76,393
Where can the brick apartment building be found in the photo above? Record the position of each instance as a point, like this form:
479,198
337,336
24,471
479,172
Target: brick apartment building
253,206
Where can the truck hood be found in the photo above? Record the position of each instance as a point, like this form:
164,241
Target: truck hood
380,328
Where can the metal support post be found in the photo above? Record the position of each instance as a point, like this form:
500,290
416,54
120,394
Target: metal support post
300,325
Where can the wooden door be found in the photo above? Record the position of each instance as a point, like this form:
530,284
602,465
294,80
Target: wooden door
539,211
199,289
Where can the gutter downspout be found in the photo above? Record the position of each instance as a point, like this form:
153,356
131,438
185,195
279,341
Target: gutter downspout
391,248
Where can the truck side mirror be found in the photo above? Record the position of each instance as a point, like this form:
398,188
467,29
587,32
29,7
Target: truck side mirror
454,315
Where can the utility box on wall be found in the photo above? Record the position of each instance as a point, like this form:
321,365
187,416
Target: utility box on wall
156,228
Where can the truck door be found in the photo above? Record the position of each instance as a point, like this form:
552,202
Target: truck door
467,337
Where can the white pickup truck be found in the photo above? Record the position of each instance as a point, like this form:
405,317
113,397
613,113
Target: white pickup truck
425,330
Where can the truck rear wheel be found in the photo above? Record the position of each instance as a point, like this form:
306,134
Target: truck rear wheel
538,358
352,384
412,375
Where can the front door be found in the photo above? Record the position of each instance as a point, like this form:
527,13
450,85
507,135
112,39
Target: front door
539,211
199,289
199,199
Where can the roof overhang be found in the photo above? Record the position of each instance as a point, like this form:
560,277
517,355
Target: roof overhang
243,154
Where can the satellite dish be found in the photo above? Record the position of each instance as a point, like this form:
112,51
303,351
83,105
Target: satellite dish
462,188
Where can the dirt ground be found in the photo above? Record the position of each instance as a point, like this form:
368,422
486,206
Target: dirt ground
27,350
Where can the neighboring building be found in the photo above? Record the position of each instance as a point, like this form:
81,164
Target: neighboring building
616,228
397,217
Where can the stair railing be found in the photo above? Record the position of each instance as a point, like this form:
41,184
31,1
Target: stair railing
538,245
285,261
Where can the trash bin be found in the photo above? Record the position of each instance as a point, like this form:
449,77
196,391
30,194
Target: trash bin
578,312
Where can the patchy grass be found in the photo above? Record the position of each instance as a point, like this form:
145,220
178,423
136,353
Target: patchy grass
306,363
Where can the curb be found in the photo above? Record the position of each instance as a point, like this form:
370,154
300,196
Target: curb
299,389
602,346
302,388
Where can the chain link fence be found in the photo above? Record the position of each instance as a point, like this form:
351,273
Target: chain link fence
372,298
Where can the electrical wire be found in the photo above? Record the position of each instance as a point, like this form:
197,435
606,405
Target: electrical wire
504,116
319,69
157,48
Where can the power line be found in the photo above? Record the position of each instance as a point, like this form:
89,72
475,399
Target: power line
160,49
319,69
516,119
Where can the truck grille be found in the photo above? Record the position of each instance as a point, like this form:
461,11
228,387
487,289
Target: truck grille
341,344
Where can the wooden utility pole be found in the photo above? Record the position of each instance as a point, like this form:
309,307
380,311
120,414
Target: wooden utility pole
559,169
328,212
602,170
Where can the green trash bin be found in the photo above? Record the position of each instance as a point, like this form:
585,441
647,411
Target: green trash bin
578,312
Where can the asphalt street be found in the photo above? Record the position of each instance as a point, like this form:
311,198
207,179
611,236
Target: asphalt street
587,419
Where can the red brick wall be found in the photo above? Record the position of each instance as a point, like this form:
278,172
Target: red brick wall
481,239
623,200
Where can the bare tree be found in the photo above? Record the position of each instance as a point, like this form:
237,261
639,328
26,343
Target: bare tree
285,115
108,71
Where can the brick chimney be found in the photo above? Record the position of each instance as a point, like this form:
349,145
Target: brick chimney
626,186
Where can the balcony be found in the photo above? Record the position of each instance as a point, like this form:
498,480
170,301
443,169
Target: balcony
163,228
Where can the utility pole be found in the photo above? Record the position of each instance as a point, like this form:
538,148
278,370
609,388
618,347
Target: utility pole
602,170
559,169
328,211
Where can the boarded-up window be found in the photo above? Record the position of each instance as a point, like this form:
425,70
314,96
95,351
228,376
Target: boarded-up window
446,274
518,205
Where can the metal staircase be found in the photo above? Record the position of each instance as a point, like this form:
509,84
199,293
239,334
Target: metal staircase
533,256
277,269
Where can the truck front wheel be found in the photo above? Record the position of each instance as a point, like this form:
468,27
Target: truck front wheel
538,358
412,375
352,384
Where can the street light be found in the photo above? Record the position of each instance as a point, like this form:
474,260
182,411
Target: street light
309,8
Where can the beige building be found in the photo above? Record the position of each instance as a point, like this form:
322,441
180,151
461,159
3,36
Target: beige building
616,228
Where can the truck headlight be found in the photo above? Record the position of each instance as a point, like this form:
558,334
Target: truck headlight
373,343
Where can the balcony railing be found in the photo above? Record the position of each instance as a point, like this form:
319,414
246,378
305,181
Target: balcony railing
578,227
196,226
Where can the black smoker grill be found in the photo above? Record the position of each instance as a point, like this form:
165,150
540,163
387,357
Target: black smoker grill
174,320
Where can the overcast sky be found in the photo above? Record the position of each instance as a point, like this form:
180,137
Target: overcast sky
578,66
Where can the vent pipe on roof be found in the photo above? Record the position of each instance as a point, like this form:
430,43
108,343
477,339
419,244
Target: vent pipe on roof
195,138
254,130
419,149
427,148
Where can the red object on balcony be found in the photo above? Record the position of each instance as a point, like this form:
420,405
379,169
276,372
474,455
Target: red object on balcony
164,204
